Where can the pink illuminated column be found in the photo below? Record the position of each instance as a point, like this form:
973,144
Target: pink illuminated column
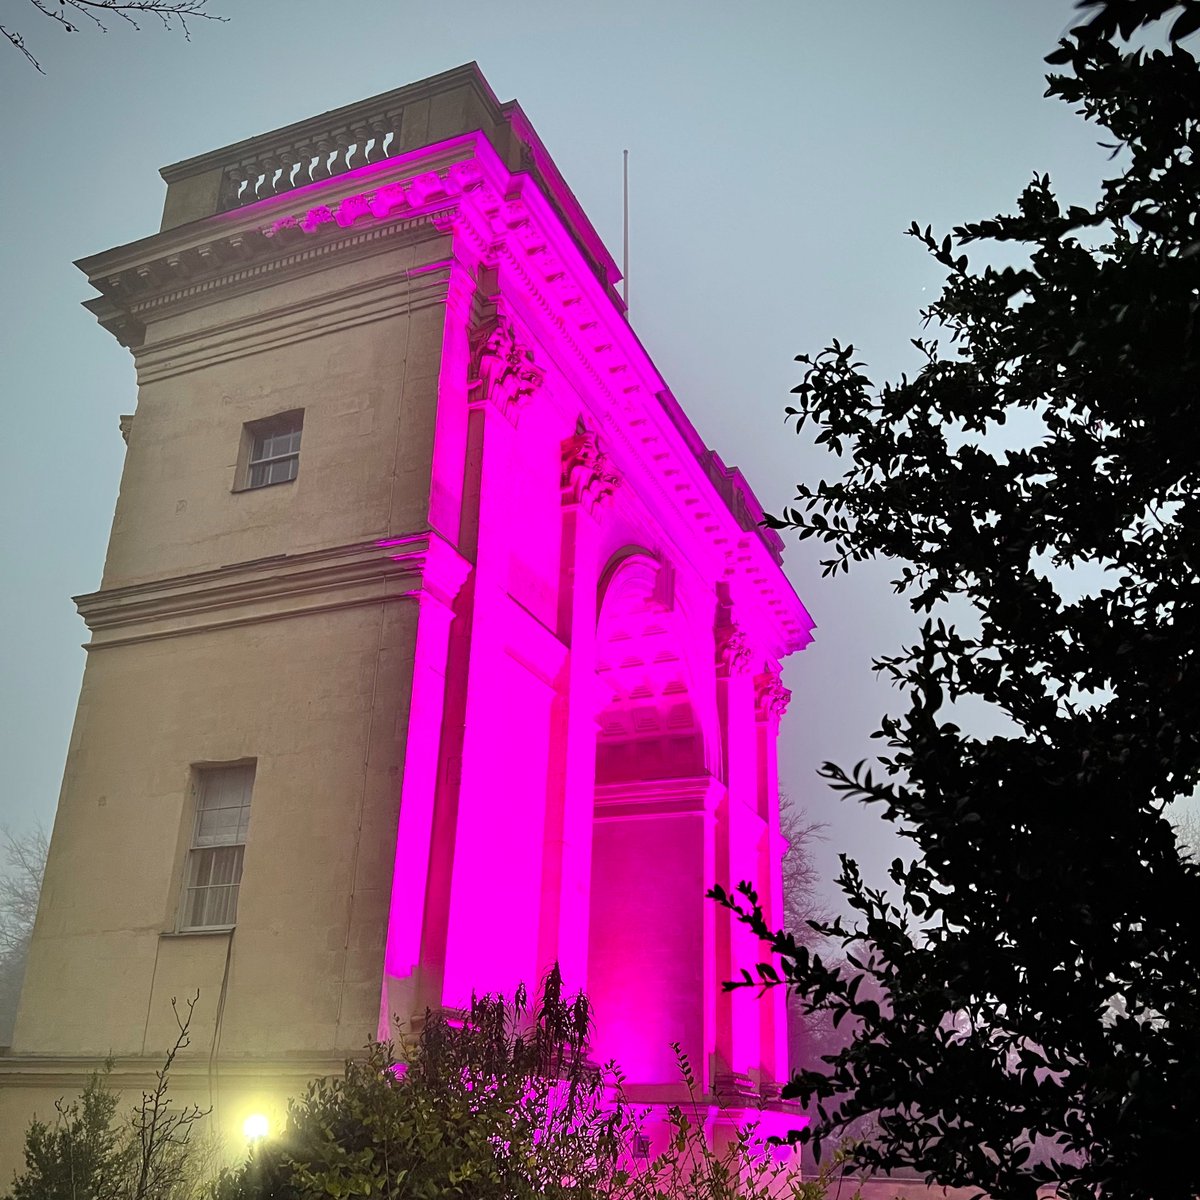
442,575
771,701
739,831
450,433
588,482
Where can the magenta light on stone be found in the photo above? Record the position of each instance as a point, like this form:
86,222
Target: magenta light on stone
606,751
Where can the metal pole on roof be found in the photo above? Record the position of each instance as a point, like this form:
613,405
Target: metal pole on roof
625,256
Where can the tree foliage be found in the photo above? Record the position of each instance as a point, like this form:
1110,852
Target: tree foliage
503,1103
90,1151
1037,1019
71,15
20,887
498,1103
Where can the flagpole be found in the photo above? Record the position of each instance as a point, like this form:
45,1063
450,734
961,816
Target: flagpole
625,256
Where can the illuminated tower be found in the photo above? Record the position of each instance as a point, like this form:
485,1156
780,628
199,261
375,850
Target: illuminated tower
432,646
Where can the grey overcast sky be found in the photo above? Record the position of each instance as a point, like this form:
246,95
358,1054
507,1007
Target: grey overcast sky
777,150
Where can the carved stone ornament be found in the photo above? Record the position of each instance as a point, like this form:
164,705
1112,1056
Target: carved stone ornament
587,475
734,653
771,697
505,374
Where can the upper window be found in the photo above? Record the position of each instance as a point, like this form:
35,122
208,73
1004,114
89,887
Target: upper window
273,450
214,867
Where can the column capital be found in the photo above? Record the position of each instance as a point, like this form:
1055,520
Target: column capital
733,649
771,698
503,371
588,478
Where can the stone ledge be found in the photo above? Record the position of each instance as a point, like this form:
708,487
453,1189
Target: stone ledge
286,585
138,1071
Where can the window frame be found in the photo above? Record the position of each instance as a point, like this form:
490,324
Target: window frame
205,847
254,436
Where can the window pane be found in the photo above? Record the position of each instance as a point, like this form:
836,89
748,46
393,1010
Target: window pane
273,471
276,445
208,907
223,806
211,895
277,442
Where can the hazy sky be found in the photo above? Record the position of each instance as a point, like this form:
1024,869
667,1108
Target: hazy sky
777,148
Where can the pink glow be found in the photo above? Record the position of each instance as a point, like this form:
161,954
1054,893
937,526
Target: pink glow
595,702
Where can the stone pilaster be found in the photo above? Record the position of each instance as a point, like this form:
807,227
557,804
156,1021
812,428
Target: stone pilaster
443,576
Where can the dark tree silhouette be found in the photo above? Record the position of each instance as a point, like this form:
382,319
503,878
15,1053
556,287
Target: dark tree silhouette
1025,1000
66,13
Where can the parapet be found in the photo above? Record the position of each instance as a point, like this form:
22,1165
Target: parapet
456,102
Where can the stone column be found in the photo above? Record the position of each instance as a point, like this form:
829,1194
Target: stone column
588,483
442,576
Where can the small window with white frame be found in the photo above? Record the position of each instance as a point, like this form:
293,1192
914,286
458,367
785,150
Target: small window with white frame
213,874
271,450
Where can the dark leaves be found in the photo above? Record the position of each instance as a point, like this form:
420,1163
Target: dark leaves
1024,1010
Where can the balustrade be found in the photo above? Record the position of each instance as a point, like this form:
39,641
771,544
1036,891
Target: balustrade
315,155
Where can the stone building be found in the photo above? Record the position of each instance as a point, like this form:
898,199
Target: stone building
432,645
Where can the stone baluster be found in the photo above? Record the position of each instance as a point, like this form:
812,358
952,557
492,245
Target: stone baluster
289,158
360,134
265,185
391,123
305,153
231,187
379,131
342,139
325,147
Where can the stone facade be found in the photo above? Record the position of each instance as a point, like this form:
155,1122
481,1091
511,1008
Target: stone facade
499,647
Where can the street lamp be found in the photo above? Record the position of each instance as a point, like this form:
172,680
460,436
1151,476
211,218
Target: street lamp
255,1127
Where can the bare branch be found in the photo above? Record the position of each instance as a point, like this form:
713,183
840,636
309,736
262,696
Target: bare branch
801,882
169,12
19,42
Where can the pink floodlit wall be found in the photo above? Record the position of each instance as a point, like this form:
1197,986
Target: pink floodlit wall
590,740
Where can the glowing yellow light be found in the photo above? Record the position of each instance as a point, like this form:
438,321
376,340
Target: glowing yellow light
255,1126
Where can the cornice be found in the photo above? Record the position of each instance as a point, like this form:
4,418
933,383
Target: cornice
310,255
272,589
139,1071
